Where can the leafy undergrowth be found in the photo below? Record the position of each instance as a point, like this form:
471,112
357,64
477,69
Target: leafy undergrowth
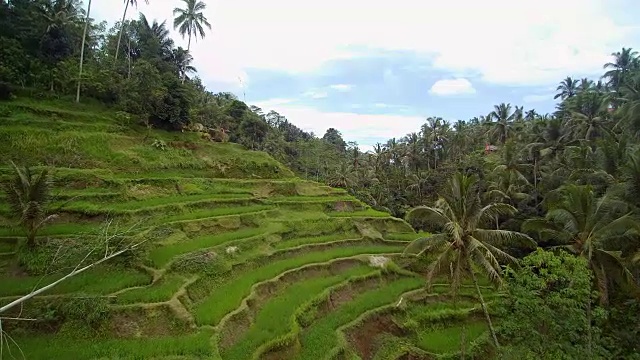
220,222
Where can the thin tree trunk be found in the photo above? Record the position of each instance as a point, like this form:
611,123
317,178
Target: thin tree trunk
84,37
126,6
69,275
486,312
184,74
129,57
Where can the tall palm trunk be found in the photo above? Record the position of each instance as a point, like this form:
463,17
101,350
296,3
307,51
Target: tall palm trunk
124,15
84,37
184,74
484,308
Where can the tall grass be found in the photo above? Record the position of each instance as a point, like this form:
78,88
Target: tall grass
100,280
214,212
162,255
197,345
227,294
285,244
441,340
162,290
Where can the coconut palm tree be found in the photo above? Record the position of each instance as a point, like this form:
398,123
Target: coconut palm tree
189,20
568,88
585,225
124,15
28,195
504,119
182,60
466,245
624,61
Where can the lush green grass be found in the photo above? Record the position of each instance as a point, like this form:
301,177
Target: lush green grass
359,213
162,255
301,199
443,340
405,236
228,294
54,229
162,290
100,280
289,243
320,338
214,212
192,346
272,320
147,204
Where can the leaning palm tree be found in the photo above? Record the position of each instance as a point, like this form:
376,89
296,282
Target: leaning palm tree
124,15
28,195
189,20
585,225
466,245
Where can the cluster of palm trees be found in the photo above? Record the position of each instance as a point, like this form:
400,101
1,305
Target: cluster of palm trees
573,176
189,21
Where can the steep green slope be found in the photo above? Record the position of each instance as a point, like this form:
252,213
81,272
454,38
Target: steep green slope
239,253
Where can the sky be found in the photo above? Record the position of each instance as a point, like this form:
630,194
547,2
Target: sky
377,69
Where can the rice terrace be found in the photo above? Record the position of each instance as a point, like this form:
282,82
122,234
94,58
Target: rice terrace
304,180
240,259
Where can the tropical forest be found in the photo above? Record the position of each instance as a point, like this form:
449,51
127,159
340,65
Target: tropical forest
144,215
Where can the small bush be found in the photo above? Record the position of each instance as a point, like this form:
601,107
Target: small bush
93,311
159,144
6,91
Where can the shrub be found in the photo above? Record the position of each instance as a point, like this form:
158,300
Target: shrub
6,91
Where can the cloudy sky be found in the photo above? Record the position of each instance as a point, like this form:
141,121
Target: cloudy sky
376,69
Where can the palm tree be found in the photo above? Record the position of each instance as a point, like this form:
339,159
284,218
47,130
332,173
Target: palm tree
624,61
584,225
568,88
28,195
504,119
189,20
182,60
124,15
465,246
84,37
585,85
531,115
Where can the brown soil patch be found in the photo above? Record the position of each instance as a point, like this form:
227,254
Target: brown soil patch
345,294
283,353
234,329
136,322
343,206
364,336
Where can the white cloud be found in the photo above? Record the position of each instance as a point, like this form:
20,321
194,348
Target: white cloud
314,94
366,130
537,98
341,87
502,41
452,87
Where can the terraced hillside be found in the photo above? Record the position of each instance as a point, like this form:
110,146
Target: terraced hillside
242,260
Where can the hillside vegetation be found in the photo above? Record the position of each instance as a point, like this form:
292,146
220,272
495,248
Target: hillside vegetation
241,260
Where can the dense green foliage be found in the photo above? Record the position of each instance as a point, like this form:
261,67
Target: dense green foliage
546,314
